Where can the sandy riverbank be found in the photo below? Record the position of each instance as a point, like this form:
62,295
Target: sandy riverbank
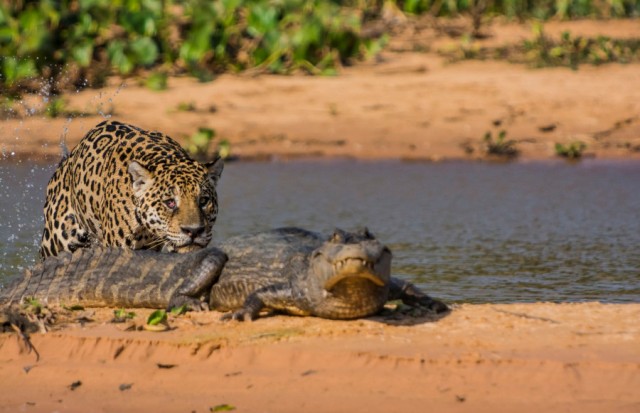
480,358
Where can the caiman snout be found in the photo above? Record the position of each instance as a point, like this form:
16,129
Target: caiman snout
354,256
354,268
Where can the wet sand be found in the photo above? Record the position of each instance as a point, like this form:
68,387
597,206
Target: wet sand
480,358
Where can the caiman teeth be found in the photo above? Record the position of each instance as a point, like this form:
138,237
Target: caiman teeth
338,265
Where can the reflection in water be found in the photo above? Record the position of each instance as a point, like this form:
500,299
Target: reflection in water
467,232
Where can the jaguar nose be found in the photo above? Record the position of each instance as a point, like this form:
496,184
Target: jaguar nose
193,231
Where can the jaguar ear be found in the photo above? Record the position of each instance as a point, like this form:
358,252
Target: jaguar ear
141,178
215,169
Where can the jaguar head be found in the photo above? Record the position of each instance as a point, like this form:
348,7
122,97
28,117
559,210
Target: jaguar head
176,204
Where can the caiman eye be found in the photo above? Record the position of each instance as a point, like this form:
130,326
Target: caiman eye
204,200
171,204
338,236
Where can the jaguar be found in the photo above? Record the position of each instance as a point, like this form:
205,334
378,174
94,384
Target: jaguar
123,186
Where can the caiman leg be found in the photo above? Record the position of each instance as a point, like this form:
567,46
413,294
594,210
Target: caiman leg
204,276
276,297
412,296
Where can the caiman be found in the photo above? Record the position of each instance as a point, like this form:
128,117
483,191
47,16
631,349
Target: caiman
344,276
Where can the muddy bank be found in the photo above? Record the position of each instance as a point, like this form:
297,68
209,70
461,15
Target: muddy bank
481,358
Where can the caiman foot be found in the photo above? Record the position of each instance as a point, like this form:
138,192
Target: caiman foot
412,296
431,304
238,315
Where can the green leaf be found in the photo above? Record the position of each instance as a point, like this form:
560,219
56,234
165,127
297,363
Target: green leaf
122,314
157,317
222,408
82,54
15,69
76,307
118,58
179,310
144,50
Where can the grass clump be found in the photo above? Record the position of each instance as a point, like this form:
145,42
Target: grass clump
572,151
543,51
55,108
571,51
186,107
121,315
500,146
199,142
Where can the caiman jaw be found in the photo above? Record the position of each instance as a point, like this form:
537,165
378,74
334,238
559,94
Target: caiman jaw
353,268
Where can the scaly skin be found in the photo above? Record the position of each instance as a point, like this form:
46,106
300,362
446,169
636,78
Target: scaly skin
290,270
118,277
299,272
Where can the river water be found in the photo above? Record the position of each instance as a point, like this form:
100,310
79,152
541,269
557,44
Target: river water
465,232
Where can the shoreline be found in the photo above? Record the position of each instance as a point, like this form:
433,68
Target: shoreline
47,159
482,358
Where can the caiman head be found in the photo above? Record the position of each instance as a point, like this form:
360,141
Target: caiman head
351,273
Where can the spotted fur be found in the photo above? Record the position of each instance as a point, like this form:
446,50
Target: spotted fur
127,187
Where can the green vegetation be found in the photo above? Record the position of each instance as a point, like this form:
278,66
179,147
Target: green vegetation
224,149
571,51
33,305
500,146
198,144
71,41
560,9
179,310
222,408
573,151
186,107
76,43
157,317
56,107
544,51
121,315
157,81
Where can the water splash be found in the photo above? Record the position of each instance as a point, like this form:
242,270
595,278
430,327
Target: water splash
64,149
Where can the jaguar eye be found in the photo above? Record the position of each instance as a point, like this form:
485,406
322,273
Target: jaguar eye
171,204
204,201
